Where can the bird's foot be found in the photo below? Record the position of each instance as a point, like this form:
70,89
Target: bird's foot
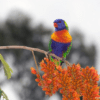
48,53
63,59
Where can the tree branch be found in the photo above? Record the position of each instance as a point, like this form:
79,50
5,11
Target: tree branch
34,49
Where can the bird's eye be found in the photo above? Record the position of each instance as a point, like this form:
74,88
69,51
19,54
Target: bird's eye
59,21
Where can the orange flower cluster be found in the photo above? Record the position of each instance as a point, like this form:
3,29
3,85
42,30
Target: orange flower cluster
72,81
67,89
91,89
50,81
76,79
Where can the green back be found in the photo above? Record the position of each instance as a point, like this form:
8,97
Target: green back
67,28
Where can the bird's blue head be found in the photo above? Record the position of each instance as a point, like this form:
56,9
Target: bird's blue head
60,24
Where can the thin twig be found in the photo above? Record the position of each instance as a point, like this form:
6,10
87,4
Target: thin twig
34,49
35,62
37,66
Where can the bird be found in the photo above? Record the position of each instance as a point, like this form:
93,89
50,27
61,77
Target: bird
61,41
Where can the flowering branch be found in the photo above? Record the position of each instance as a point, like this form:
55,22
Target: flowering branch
34,49
72,81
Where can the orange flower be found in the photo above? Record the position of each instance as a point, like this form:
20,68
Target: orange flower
49,81
44,76
97,97
61,91
37,75
33,71
59,68
37,80
39,84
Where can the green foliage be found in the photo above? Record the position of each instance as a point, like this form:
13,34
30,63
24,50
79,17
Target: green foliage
8,72
7,69
0,93
3,94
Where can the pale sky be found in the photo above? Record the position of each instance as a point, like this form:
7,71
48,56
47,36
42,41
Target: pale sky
82,14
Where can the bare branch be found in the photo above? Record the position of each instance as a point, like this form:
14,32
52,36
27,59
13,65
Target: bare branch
33,49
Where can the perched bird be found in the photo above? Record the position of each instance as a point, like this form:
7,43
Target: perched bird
61,41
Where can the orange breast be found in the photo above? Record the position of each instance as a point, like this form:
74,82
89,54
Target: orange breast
62,36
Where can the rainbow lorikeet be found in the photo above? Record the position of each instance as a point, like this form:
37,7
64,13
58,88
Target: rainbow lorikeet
61,41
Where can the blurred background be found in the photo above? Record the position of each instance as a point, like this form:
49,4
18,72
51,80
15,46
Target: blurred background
30,23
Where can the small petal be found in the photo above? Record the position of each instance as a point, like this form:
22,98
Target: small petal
33,71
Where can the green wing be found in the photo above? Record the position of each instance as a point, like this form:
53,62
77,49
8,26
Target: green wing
50,49
68,50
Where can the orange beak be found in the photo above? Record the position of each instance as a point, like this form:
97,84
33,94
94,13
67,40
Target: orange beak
55,25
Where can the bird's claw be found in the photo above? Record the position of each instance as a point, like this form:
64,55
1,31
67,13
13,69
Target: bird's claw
48,53
63,59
